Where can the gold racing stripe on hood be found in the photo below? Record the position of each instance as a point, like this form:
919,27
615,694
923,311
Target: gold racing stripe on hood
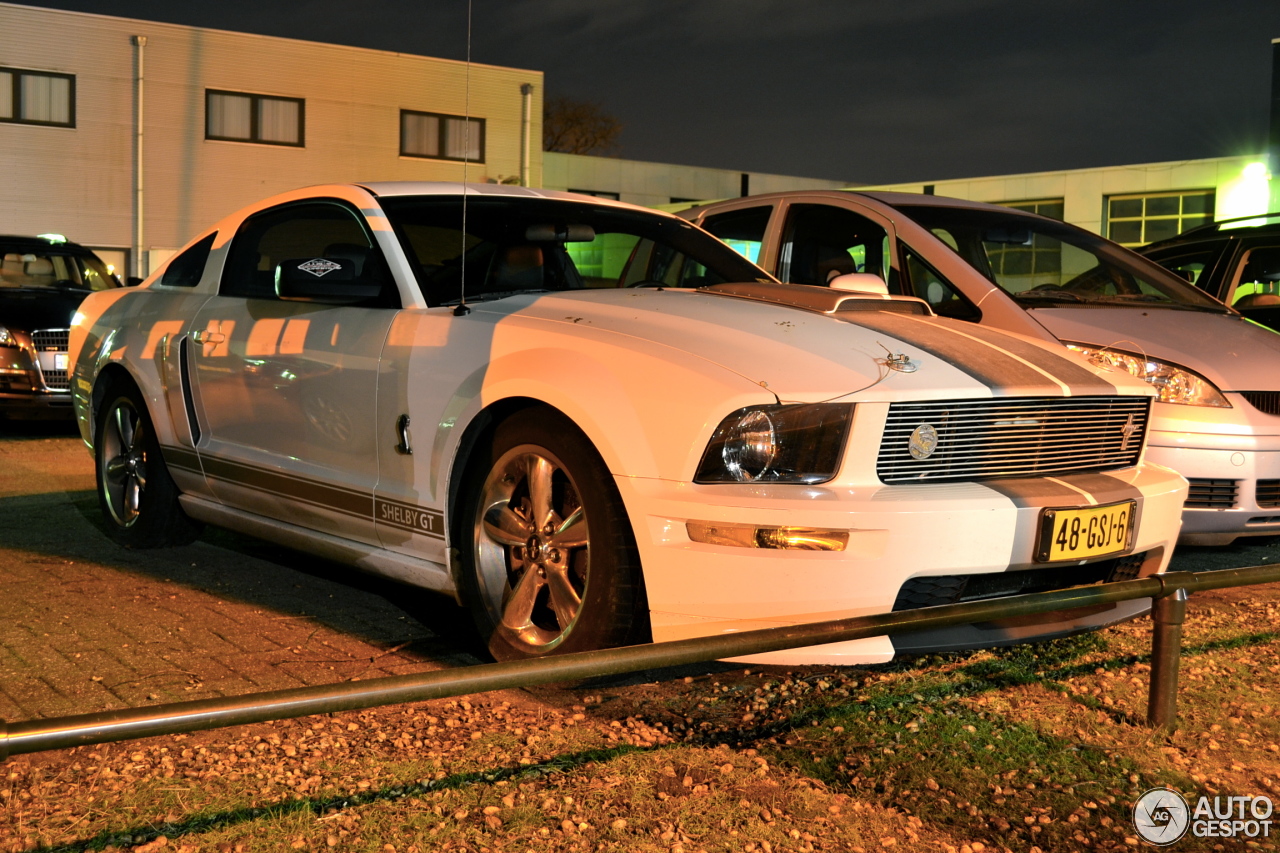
1002,362
1066,490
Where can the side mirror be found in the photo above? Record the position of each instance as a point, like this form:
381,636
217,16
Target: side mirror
132,281
330,281
860,282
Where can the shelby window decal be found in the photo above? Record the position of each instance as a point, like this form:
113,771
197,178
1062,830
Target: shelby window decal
319,267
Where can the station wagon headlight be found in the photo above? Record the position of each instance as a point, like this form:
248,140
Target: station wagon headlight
795,443
1176,384
6,338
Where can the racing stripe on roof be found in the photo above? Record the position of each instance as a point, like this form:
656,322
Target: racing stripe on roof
998,360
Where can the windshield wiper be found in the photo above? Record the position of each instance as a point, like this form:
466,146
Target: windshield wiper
494,295
1049,296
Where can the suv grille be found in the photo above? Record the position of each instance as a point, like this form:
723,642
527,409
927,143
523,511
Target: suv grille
52,340
1013,437
1212,494
1267,402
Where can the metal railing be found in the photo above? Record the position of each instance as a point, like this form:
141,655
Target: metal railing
1168,592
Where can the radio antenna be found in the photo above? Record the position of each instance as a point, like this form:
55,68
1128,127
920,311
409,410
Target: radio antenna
462,310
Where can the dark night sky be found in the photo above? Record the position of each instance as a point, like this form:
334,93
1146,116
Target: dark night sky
862,90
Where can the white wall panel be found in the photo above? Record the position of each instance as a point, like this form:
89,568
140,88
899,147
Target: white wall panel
79,181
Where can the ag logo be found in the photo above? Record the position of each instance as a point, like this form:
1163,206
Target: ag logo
1161,816
924,439
319,267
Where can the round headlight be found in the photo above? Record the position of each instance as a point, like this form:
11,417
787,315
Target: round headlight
750,447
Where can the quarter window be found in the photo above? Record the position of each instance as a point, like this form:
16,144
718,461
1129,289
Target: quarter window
319,229
238,117
742,230
1135,220
37,97
441,137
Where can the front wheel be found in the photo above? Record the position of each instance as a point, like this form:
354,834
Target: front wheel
549,562
139,499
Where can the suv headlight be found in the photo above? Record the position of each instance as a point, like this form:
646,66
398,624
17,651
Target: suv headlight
6,338
794,443
1176,384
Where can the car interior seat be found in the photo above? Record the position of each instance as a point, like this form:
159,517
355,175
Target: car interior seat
517,267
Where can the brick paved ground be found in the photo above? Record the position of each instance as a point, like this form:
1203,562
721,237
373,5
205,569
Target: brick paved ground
87,626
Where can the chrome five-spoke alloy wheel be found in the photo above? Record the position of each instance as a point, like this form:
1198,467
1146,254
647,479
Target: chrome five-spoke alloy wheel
532,548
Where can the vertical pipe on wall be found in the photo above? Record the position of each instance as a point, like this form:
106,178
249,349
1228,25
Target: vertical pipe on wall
1273,128
139,269
526,129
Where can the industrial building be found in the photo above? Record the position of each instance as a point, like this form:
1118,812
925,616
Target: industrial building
129,136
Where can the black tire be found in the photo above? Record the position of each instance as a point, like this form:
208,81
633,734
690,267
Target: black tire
570,582
138,497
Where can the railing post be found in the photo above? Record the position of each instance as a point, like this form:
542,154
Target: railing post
1168,612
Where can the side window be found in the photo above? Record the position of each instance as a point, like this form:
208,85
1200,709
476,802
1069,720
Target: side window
187,269
1259,282
299,231
821,242
928,284
742,230
652,263
1190,265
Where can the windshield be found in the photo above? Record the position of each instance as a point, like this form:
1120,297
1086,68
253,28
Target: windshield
520,245
49,270
1043,263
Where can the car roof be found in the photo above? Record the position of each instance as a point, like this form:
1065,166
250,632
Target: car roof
1239,226
27,243
387,189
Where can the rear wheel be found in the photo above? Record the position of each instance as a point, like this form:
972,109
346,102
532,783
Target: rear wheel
550,564
139,499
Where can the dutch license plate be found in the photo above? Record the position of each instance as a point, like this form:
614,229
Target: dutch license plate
60,361
1083,532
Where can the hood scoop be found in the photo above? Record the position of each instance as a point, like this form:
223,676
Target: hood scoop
820,300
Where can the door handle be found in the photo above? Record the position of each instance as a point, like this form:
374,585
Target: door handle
402,427
206,336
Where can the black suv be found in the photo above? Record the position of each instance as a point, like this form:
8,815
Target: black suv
1235,260
42,282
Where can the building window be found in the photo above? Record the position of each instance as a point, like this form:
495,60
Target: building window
37,97
441,137
237,117
1135,220
1050,207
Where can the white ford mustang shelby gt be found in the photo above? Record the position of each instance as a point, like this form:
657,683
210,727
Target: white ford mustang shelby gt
595,425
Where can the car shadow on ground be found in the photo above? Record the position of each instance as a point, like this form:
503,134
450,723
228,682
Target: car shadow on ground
256,578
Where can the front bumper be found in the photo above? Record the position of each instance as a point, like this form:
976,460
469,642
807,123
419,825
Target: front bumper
1235,484
896,533
35,405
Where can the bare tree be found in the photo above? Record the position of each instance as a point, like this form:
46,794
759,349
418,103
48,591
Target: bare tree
578,127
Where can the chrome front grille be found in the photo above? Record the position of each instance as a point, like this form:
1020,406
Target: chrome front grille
47,341
1014,437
